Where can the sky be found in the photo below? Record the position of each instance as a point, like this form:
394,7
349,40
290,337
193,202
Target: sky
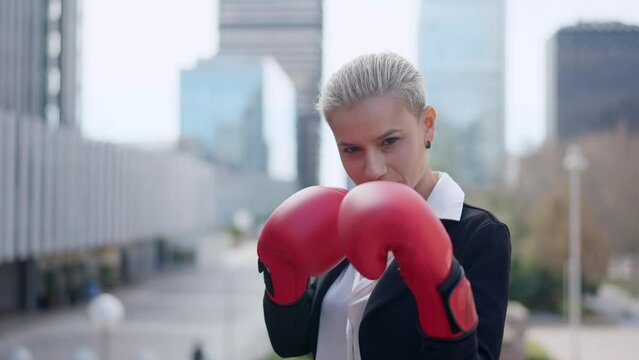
132,52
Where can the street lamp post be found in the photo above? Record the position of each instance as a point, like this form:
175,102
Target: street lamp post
242,220
106,312
575,162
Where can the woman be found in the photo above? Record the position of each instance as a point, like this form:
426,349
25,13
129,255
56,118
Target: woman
375,106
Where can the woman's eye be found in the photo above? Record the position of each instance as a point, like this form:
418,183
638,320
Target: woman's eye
390,141
350,149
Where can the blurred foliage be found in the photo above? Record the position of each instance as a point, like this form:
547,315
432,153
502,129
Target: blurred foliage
536,212
107,277
534,286
539,235
444,154
236,234
530,283
182,256
510,208
163,251
534,351
630,287
550,233
608,183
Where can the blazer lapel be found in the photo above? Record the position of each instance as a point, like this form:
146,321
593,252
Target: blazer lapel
389,286
325,282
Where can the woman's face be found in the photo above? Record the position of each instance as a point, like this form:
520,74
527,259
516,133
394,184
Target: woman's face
379,139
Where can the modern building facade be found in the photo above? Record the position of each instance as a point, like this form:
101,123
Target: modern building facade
62,196
291,32
75,212
592,79
461,55
241,111
38,59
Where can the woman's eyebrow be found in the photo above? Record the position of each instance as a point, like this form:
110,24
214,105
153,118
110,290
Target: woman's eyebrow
342,143
385,134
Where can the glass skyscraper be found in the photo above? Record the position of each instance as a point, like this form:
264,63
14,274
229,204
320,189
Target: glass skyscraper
241,112
291,32
593,79
461,55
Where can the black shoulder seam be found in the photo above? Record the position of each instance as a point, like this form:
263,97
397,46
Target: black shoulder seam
482,210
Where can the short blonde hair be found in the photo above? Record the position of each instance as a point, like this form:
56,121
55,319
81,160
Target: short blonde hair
373,75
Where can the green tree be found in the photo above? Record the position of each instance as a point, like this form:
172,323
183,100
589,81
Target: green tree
549,224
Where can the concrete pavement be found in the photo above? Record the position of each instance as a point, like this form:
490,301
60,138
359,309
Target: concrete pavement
597,341
613,333
218,302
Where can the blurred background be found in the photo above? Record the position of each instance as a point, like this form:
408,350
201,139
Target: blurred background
143,143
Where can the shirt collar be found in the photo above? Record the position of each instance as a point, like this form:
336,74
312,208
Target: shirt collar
447,198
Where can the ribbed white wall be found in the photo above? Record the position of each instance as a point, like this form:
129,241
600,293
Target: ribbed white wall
61,192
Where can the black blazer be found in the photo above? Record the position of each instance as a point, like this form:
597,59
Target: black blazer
390,326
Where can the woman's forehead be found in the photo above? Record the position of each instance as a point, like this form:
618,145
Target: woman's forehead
370,121
378,109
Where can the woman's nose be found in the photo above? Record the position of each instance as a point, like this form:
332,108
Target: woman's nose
375,166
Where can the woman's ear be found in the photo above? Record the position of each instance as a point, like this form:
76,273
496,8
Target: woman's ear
429,116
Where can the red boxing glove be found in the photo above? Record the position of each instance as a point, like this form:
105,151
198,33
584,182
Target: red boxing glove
381,216
300,240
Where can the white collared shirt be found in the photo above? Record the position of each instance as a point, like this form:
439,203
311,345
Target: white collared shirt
344,304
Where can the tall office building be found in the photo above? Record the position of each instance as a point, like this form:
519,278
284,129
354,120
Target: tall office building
38,51
68,205
461,55
291,32
593,79
240,111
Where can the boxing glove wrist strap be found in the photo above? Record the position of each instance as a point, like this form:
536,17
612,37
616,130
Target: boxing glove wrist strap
268,280
458,300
